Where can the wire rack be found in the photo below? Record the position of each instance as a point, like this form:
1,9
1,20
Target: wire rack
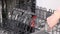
18,18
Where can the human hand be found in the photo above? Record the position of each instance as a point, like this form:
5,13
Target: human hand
53,19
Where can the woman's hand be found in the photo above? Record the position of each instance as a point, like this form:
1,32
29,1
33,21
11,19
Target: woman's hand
53,19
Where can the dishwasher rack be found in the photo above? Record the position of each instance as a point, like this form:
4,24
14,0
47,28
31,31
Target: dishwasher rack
24,17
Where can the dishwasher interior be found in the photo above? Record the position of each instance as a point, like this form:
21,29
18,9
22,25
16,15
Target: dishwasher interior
24,17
